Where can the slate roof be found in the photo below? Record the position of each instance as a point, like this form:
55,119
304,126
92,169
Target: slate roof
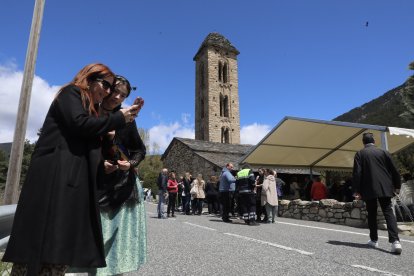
218,154
216,39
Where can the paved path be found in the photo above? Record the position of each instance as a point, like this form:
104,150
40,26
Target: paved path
203,245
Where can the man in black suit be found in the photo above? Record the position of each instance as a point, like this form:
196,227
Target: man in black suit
375,177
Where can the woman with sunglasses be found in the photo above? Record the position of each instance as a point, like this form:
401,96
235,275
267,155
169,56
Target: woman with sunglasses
122,200
57,222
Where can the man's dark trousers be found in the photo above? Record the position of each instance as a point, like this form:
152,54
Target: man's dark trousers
386,207
225,202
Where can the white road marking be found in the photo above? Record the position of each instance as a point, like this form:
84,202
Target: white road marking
270,243
200,226
323,228
336,230
375,270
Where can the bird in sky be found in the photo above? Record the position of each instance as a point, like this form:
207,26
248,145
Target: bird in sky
366,24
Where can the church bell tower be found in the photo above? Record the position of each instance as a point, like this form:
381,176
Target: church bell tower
217,116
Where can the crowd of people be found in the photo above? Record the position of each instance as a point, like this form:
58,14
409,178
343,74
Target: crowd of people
315,189
253,198
231,190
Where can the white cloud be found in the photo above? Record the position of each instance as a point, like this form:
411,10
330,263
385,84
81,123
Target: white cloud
162,135
41,96
253,134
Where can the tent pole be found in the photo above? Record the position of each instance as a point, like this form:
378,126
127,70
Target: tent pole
384,140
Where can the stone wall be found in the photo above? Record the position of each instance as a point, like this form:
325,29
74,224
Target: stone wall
352,214
327,210
182,159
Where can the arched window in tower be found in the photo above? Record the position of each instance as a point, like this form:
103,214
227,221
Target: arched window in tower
202,132
220,71
201,75
225,70
226,106
225,138
221,105
202,108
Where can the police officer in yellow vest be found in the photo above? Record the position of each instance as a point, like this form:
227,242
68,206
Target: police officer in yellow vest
245,183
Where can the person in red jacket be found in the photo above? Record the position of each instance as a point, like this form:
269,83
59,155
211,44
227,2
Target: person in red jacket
172,188
318,190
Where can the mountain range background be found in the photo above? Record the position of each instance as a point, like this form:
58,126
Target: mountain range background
394,108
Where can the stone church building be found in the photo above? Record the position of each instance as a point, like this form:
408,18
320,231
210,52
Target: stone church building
217,115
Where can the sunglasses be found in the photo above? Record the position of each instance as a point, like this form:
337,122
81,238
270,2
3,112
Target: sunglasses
105,84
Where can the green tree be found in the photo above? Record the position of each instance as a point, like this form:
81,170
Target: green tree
408,97
145,136
405,159
4,164
151,166
27,155
148,171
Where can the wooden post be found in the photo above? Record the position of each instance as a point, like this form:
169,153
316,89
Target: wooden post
16,154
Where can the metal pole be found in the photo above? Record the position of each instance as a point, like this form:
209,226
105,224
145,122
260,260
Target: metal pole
384,140
16,154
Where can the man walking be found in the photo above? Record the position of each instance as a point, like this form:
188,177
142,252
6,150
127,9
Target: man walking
162,182
227,186
375,177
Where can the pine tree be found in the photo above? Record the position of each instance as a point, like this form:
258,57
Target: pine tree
408,97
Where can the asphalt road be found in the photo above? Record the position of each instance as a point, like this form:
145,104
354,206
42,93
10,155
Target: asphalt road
204,245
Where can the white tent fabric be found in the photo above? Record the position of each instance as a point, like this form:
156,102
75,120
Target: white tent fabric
317,144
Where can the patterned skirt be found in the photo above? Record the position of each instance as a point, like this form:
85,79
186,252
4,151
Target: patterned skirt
125,238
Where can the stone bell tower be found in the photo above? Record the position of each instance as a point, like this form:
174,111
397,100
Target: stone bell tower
217,116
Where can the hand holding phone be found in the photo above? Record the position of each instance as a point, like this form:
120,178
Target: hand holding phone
136,107
140,102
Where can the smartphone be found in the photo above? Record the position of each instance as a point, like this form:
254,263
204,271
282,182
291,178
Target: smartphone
139,101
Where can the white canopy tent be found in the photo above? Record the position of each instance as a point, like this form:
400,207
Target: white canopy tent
317,144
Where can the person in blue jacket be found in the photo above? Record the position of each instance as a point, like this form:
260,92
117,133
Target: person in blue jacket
227,187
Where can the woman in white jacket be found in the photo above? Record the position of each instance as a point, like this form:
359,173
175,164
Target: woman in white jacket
269,195
198,197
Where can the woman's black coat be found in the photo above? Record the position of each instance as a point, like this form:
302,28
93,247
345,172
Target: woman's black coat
57,218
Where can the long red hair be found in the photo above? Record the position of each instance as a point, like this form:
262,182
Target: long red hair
82,79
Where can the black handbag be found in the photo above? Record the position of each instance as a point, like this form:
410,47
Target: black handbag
119,187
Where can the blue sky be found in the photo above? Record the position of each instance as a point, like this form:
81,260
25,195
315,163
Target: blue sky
314,59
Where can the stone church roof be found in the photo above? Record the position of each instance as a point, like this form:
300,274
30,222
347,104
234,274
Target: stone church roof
218,40
217,153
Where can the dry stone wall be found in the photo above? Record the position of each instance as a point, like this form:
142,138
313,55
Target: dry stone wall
352,214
